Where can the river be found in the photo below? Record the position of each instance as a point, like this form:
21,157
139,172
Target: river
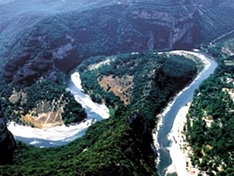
167,121
62,135
93,113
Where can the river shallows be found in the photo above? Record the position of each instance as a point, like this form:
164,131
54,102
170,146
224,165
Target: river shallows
168,119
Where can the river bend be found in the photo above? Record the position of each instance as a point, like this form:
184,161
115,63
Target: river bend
181,100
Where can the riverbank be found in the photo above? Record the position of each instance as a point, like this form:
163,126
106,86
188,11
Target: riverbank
53,134
95,112
177,143
177,152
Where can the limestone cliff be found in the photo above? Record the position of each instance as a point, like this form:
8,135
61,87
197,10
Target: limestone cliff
63,41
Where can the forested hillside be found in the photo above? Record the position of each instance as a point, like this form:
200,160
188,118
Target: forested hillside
41,42
122,144
53,42
210,121
214,16
143,82
110,147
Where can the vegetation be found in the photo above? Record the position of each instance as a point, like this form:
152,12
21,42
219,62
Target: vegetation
111,28
122,144
50,94
156,78
109,147
210,122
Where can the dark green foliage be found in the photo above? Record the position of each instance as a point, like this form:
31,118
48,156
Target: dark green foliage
112,146
156,79
121,145
73,111
108,148
209,130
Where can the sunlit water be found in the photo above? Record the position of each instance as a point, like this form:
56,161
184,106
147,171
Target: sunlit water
168,119
95,112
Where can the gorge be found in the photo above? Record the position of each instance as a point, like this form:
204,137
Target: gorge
42,43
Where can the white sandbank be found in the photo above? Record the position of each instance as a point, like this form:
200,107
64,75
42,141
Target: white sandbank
53,133
178,156
95,112
178,151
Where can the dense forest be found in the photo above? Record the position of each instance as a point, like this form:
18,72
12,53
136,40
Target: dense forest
42,41
109,147
145,81
210,122
122,144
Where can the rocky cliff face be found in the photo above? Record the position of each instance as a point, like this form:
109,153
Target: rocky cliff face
7,143
63,41
165,30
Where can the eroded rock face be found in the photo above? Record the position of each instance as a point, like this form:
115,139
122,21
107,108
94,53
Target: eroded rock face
165,30
7,143
62,42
